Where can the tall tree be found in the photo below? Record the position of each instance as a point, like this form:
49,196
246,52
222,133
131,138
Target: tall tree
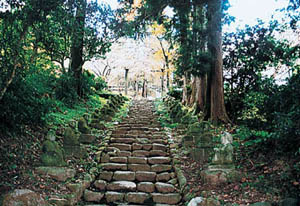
15,23
77,44
217,105
197,28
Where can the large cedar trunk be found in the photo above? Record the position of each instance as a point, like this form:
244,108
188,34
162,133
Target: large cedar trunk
192,98
201,93
217,105
77,46
185,92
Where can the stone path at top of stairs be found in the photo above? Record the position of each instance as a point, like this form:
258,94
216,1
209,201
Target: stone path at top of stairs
136,167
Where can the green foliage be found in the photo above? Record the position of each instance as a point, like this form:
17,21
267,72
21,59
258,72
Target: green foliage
249,137
176,93
286,113
66,89
27,100
257,101
164,117
34,34
276,115
63,114
100,84
249,53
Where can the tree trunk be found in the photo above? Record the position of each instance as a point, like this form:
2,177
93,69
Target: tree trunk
201,93
162,82
15,65
144,91
192,98
77,45
217,105
126,81
168,80
184,93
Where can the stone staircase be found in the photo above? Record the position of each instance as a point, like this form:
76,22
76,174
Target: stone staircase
136,167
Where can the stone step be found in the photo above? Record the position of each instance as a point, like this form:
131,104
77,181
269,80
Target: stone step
113,166
137,160
136,165
155,153
139,167
145,176
148,187
112,197
140,153
124,175
170,198
121,146
164,187
122,140
121,186
161,168
137,197
159,160
118,160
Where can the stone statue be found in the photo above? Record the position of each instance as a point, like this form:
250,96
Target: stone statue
223,155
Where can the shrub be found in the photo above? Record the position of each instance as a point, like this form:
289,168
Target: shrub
65,90
100,84
27,100
176,93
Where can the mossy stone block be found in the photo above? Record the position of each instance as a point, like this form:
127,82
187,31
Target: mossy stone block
204,139
53,154
83,127
195,128
70,138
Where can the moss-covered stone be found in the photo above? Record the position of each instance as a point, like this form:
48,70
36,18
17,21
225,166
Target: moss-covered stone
219,176
87,138
202,155
53,154
86,116
23,197
98,125
210,202
83,127
56,173
70,138
181,178
204,139
195,128
262,204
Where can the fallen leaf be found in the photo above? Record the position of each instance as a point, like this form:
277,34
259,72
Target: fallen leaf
243,179
236,187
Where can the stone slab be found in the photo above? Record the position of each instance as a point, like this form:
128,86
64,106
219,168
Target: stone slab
137,160
121,186
148,187
161,168
139,167
124,175
144,176
114,166
137,197
171,199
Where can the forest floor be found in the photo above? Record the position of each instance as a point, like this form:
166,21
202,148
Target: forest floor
266,177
